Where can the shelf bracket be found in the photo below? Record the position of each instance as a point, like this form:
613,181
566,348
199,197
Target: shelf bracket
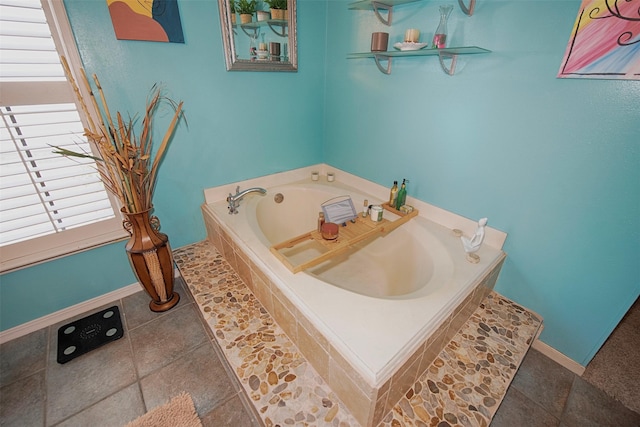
387,69
450,70
465,9
254,30
283,31
381,6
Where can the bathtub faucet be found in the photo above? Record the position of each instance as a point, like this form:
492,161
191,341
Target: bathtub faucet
234,199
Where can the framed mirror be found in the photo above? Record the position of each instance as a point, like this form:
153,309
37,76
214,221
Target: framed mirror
263,40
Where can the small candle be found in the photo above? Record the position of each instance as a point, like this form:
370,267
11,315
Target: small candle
262,46
412,35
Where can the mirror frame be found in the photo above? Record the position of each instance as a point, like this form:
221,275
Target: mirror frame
236,64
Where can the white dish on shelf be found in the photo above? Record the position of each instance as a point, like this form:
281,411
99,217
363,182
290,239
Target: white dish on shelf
409,46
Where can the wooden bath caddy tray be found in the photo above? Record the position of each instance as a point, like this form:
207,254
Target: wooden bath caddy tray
349,235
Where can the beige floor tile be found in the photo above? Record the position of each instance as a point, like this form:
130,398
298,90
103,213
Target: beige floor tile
198,372
159,343
114,411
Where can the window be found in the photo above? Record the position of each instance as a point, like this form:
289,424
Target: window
49,205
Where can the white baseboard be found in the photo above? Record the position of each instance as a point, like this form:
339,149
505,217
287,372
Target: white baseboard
558,357
66,313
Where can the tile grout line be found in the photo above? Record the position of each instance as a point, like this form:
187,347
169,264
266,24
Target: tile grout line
133,356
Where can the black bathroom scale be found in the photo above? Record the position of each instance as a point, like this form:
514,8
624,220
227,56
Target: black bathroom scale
83,335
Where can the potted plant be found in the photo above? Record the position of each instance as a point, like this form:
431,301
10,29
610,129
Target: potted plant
128,163
246,8
262,15
278,9
232,8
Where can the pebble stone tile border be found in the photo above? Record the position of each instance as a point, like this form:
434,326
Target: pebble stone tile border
283,386
467,381
462,387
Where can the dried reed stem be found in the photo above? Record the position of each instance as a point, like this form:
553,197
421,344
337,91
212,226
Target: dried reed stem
123,162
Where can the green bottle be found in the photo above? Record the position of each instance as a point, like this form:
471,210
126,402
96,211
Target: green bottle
402,195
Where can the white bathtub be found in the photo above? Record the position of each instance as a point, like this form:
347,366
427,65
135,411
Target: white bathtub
409,262
385,299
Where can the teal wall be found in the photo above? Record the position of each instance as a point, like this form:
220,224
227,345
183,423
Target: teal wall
240,125
553,162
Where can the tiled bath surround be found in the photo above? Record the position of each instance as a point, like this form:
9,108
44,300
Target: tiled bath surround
282,385
368,403
463,386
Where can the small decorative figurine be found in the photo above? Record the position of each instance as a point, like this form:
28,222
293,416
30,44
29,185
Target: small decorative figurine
472,245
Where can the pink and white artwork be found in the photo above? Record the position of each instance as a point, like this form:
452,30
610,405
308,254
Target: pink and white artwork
605,41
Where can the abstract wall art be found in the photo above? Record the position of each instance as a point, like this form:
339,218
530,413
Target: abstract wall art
605,41
149,20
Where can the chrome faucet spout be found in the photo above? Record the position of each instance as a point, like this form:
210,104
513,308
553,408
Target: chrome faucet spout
234,199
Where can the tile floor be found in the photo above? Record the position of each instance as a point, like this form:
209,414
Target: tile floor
544,393
159,356
163,354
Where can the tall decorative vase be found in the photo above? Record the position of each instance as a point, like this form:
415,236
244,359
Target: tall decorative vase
440,36
151,259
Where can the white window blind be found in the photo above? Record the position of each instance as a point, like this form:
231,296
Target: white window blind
49,205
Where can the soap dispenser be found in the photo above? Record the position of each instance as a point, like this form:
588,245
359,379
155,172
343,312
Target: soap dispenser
402,195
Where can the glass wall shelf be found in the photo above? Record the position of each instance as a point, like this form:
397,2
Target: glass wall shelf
387,5
278,26
449,53
368,4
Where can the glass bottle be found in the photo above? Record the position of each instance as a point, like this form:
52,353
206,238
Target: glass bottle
320,221
253,46
402,195
393,194
440,36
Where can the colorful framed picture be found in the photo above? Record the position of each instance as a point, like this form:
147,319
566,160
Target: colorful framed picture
148,20
605,41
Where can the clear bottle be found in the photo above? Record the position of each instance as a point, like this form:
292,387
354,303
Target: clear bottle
320,221
402,195
440,36
365,208
393,194
253,46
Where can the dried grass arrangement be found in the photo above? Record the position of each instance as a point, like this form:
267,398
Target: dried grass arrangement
126,161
